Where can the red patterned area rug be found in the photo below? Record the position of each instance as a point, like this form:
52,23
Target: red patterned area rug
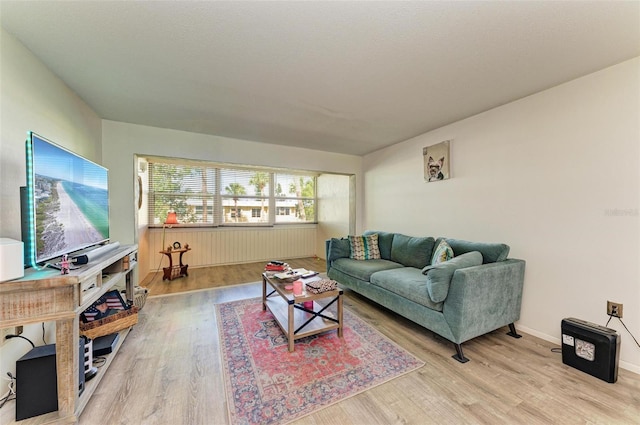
266,384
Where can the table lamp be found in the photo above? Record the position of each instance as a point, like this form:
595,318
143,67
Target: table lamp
171,219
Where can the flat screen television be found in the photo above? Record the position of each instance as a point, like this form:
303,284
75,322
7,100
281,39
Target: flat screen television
65,204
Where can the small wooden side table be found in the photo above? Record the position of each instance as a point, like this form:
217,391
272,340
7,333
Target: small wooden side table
179,270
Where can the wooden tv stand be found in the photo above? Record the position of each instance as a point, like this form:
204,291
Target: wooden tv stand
46,295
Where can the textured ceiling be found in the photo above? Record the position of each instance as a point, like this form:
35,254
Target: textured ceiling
348,77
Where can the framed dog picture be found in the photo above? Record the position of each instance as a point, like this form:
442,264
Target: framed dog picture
437,162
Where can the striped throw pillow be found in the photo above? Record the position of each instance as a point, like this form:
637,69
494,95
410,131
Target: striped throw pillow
364,247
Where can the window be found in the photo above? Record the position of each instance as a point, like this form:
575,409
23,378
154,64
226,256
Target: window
210,194
187,189
243,191
295,196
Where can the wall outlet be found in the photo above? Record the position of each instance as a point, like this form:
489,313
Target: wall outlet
18,330
614,309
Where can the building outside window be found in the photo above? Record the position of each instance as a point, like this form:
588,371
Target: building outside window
209,194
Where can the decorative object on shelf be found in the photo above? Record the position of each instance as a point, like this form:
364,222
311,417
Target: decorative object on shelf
171,219
64,264
437,162
114,323
176,245
108,304
107,315
140,295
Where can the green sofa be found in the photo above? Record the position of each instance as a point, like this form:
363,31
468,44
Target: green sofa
477,291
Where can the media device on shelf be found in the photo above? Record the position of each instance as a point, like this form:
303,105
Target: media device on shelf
65,204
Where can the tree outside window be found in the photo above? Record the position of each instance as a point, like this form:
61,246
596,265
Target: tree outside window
203,193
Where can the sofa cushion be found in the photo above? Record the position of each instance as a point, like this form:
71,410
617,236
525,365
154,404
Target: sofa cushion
442,252
362,269
407,282
411,251
385,239
338,248
439,275
491,252
364,247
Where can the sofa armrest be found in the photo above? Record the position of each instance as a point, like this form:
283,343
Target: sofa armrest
484,298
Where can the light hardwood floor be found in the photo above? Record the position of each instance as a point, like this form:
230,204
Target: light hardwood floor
219,276
169,372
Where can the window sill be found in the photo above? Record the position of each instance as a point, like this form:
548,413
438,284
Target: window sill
227,225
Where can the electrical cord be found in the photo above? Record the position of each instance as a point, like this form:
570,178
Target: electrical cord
157,270
44,341
20,336
611,316
11,392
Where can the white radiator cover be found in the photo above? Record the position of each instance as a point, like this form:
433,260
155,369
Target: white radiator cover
210,247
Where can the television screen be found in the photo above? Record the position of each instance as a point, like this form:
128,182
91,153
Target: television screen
67,200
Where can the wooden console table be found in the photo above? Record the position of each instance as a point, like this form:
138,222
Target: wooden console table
46,295
179,270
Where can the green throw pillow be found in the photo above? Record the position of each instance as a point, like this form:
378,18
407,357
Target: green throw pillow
338,248
442,253
491,252
364,247
439,275
412,251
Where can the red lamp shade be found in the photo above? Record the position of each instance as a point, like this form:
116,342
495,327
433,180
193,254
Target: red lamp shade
171,218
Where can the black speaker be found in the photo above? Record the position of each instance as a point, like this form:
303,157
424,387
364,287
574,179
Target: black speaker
36,383
590,348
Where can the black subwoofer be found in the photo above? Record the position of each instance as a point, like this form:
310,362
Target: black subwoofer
36,381
591,348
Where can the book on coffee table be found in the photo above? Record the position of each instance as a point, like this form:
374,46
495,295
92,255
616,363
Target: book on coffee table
291,274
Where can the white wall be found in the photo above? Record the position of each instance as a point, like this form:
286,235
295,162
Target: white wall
34,99
334,199
556,176
122,141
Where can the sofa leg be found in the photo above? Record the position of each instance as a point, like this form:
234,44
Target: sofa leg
512,331
459,356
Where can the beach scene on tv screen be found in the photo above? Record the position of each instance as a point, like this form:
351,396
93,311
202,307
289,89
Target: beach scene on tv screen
71,200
